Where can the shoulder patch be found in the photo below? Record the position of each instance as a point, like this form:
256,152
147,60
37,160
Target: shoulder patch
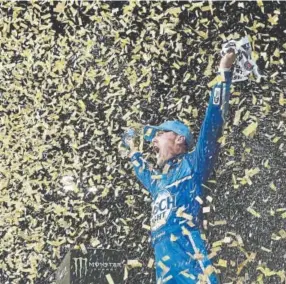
216,97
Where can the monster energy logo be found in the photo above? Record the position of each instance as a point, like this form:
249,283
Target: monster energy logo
80,266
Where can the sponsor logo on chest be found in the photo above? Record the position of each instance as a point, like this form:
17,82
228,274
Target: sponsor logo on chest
162,207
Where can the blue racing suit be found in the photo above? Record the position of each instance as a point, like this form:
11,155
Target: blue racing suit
180,252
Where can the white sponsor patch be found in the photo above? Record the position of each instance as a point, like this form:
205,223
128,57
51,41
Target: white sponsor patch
161,209
216,98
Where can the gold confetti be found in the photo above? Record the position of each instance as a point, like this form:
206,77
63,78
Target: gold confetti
60,8
109,279
166,169
164,267
250,130
199,200
156,177
165,258
173,238
144,226
83,248
188,275
222,263
134,263
253,212
150,263
206,209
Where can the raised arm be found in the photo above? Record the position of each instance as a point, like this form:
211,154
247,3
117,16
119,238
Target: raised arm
142,171
140,166
207,147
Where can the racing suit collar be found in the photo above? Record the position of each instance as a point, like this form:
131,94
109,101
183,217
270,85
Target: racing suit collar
174,160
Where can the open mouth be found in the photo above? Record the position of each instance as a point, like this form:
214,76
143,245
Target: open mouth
155,149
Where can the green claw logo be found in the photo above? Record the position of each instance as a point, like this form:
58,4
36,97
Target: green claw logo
80,266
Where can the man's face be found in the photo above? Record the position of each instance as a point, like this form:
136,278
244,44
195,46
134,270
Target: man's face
163,144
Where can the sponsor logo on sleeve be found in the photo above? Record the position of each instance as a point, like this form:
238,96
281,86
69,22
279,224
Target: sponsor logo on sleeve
216,97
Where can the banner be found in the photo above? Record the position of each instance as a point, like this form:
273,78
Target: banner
96,266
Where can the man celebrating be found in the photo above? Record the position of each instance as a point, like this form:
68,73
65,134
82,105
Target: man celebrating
177,189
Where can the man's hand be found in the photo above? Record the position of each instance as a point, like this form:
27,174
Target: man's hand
128,141
244,64
228,59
